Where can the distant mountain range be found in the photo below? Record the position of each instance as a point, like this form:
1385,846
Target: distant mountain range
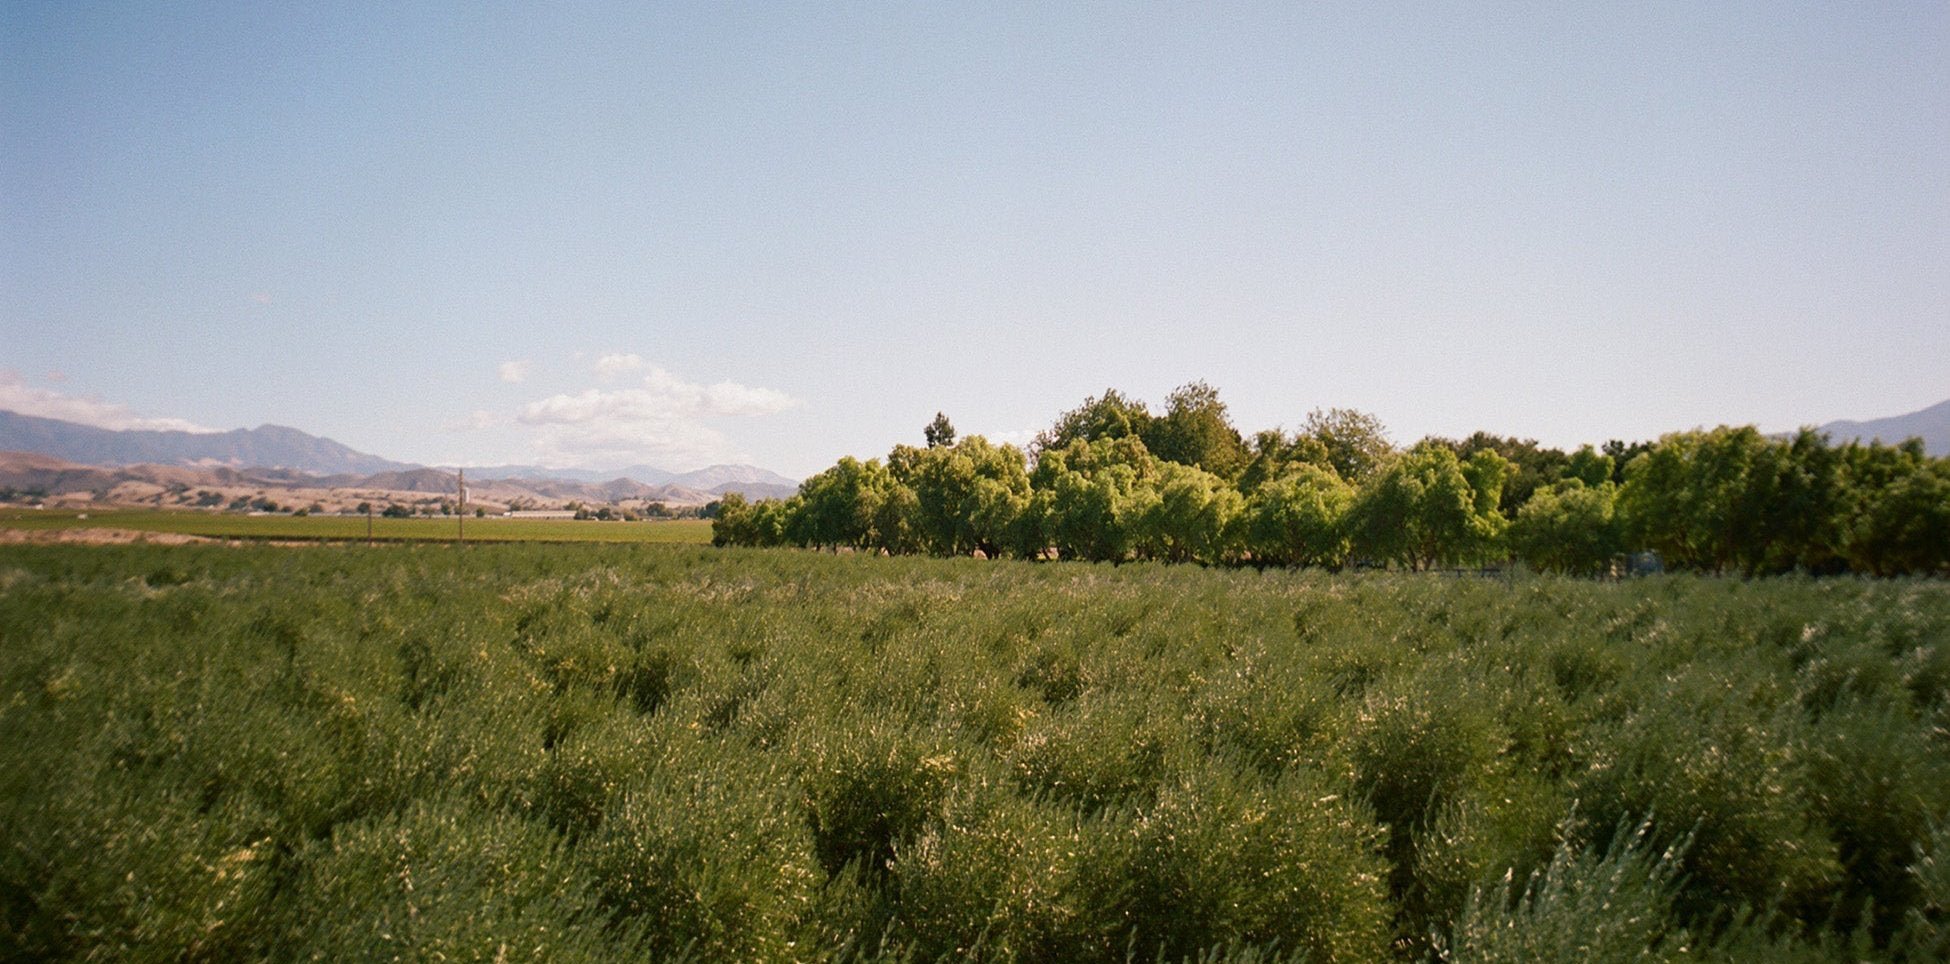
267,446
1932,425
288,456
710,478
39,476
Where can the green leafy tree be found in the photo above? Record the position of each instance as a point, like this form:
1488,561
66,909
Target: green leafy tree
1263,460
1655,504
1731,499
1426,507
767,522
966,497
1093,516
1794,506
1877,465
1378,521
1532,466
773,520
1479,533
1356,442
1272,454
894,520
1027,535
1898,515
1299,519
840,506
1185,514
1621,455
1089,457
1088,499
1111,415
1568,528
1688,498
1196,430
731,521
1590,466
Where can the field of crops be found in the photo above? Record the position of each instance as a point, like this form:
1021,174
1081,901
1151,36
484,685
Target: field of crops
354,528
563,752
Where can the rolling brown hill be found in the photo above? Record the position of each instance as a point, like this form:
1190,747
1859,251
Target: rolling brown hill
26,475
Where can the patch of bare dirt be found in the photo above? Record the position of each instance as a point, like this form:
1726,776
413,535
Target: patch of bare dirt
99,537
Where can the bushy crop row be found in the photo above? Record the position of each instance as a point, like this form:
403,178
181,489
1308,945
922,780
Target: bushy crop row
563,753
1111,482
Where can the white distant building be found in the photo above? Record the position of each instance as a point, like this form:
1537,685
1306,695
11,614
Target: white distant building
542,514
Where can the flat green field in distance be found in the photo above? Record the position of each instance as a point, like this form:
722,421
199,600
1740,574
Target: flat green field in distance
353,528
598,753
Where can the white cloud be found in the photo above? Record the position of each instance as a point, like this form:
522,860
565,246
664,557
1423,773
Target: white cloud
610,366
677,445
661,422
18,396
514,371
722,398
663,396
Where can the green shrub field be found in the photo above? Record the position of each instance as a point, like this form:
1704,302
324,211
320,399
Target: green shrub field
563,752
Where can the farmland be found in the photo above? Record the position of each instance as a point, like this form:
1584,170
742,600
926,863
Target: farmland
570,752
327,528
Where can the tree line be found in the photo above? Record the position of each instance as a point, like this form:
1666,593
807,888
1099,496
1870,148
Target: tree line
1113,481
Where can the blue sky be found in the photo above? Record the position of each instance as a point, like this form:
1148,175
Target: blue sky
781,233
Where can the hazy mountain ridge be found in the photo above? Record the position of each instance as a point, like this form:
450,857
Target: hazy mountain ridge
1932,425
713,478
282,457
647,474
32,472
267,446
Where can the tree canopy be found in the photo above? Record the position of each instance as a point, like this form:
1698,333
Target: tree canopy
1355,442
1113,482
1107,416
1195,430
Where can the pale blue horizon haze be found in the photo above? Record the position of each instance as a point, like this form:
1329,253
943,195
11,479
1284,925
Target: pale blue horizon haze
679,234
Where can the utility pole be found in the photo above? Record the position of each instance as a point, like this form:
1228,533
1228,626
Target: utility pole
369,542
460,515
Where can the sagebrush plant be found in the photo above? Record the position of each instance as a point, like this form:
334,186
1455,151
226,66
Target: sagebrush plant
1712,760
446,881
1225,857
1613,905
1109,749
996,877
1925,933
707,853
579,752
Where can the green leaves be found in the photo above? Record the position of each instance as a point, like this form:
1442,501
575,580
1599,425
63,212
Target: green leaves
1111,482
1569,528
1731,500
1425,507
1300,519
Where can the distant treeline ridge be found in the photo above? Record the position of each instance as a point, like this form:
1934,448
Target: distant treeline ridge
1112,481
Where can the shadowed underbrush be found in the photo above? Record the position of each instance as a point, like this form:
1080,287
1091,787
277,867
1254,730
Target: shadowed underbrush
569,753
